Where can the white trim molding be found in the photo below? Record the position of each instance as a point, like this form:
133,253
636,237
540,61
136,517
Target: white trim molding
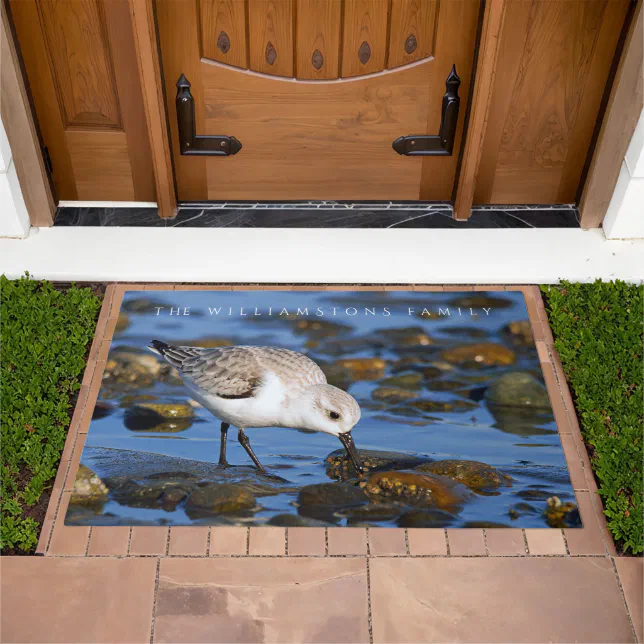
309,256
14,218
625,216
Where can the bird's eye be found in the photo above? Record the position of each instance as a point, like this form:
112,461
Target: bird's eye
334,415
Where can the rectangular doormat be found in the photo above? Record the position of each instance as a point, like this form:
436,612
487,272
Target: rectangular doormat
319,408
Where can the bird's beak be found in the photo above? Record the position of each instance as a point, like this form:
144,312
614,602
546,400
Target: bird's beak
347,440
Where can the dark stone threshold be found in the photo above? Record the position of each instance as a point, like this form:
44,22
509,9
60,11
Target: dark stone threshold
324,214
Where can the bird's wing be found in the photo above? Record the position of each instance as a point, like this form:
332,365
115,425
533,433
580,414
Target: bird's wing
237,372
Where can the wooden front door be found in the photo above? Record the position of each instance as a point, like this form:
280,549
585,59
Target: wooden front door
316,91
81,67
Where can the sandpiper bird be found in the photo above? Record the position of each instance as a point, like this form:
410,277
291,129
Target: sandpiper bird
264,387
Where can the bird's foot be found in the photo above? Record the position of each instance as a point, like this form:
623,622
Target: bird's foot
223,463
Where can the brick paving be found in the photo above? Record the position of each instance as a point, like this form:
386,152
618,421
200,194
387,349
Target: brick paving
263,584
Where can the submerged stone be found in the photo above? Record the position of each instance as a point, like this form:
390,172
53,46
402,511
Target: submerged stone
296,521
413,380
519,332
477,476
437,406
480,300
372,512
481,353
426,518
363,368
219,498
406,337
142,305
392,396
323,500
159,417
518,389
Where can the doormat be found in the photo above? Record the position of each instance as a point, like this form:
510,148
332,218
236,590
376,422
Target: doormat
319,408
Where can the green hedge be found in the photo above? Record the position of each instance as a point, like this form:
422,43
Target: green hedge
598,334
44,334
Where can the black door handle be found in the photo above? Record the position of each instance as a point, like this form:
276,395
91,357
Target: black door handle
191,143
440,144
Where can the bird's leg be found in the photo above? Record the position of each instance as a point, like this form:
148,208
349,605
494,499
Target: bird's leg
245,443
222,445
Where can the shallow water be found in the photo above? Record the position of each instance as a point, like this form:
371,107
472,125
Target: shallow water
527,447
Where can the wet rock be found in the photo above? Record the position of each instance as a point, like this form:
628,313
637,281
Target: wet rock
331,494
130,368
517,389
88,488
296,521
339,466
561,515
522,509
363,368
481,353
219,498
172,496
466,332
480,301
142,305
318,328
159,417
437,406
392,396
323,500
477,476
534,494
406,337
485,524
371,513
122,323
169,411
413,380
416,487
146,467
148,494
446,385
431,372
519,332
427,518
101,410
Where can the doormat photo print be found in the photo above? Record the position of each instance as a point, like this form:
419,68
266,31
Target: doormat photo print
320,408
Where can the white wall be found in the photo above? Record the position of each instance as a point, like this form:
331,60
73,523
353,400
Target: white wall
14,219
625,216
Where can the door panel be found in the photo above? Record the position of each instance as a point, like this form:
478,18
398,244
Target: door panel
79,58
270,33
553,65
325,89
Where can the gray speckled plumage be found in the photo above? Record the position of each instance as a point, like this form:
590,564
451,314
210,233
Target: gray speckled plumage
237,372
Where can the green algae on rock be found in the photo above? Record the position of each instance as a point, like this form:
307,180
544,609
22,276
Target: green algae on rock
517,389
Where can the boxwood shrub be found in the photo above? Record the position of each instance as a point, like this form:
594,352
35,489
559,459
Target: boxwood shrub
44,338
598,334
